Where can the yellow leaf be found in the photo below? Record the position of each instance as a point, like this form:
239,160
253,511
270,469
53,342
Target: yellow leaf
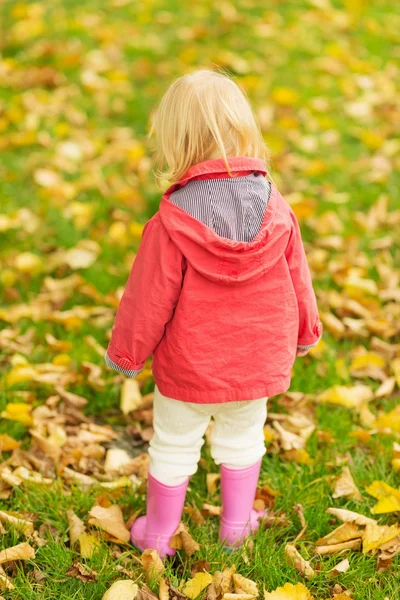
387,496
8,443
348,516
343,533
289,592
28,263
284,96
183,539
18,411
377,535
350,397
369,359
195,586
396,464
390,420
124,589
20,374
87,545
26,527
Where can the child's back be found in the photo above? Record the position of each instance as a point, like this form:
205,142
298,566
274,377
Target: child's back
220,293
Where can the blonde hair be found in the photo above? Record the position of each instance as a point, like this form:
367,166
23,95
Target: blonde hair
201,116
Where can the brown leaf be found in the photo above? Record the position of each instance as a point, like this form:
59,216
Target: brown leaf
145,593
342,567
343,533
152,564
131,398
242,584
199,567
346,487
183,539
348,516
82,572
334,548
299,563
70,398
194,514
26,527
110,520
209,510
211,482
21,551
76,527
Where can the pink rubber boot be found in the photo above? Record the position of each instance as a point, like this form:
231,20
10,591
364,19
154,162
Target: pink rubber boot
238,490
163,515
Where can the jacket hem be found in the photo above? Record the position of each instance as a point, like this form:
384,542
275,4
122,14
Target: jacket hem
222,396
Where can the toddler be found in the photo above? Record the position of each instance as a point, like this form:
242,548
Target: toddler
220,293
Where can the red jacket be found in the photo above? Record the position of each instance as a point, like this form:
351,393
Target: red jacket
223,319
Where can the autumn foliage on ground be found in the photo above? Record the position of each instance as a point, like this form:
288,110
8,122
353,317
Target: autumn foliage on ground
78,82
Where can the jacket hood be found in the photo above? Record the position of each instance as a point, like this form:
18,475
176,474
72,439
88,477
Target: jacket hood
218,258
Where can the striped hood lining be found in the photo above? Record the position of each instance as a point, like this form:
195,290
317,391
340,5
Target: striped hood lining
233,208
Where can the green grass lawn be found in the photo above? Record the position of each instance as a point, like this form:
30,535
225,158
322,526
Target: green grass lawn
78,83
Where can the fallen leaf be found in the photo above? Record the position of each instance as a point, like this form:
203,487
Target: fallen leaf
21,551
300,564
348,516
211,482
289,592
87,545
345,486
343,533
116,458
152,564
342,567
76,527
242,584
376,536
18,411
387,496
26,527
335,548
193,587
110,520
82,572
131,398
8,443
349,397
183,539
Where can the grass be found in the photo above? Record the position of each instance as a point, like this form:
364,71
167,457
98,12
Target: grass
323,80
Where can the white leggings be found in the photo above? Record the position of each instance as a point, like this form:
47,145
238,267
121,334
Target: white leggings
237,437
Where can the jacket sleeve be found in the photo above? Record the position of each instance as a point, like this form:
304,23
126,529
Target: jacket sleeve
310,327
148,301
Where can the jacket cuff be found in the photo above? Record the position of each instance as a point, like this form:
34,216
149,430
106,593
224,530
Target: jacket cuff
318,332
122,365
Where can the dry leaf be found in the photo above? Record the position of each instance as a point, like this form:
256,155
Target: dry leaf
5,582
197,584
82,572
375,536
343,533
19,552
26,527
131,397
76,527
87,545
163,591
334,548
345,486
183,539
211,482
349,397
116,458
348,516
342,567
245,585
8,443
208,510
110,520
300,564
152,565
289,592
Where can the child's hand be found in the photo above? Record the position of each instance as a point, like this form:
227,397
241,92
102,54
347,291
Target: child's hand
302,352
